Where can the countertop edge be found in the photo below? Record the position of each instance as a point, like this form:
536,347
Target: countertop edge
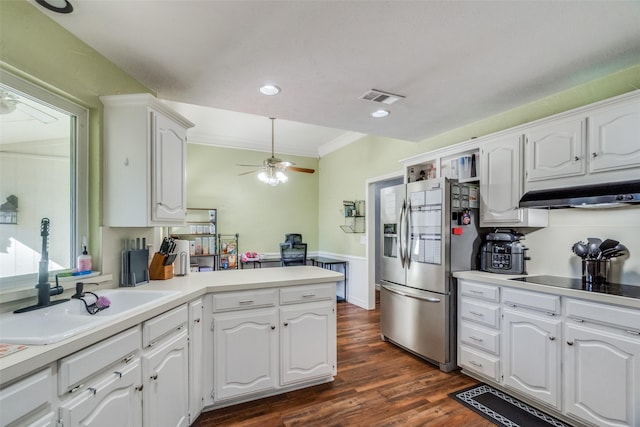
190,287
504,280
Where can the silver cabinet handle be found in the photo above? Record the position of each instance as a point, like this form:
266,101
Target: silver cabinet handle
476,364
594,155
435,300
308,295
247,301
576,158
552,338
475,313
570,342
476,339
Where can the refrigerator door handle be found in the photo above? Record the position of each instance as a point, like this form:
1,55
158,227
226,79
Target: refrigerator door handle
408,233
401,234
393,291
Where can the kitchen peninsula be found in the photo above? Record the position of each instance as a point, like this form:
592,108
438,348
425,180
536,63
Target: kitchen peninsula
223,338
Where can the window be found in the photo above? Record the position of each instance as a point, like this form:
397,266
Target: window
43,170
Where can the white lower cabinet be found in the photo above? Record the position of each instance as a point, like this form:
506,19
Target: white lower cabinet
479,329
579,359
531,356
267,340
29,401
602,364
165,371
245,352
113,399
196,359
308,340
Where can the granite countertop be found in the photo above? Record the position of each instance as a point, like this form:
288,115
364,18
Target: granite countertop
506,280
188,287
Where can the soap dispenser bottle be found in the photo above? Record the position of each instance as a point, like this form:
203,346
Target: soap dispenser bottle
84,260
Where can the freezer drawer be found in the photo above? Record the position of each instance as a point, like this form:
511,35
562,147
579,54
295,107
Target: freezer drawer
418,321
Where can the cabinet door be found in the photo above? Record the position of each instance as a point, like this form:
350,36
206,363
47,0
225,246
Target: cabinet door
531,355
245,352
165,379
601,376
308,339
500,182
115,400
613,138
168,184
555,150
27,398
196,359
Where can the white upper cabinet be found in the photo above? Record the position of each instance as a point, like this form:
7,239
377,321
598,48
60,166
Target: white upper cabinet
501,185
555,150
144,162
614,139
594,145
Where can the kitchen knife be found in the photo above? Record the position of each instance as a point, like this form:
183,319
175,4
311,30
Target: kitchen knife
170,259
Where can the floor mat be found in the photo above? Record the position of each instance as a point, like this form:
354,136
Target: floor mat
502,409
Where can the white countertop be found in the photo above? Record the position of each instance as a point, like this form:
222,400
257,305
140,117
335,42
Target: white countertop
189,287
503,280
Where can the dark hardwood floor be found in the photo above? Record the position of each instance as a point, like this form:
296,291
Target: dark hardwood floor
377,384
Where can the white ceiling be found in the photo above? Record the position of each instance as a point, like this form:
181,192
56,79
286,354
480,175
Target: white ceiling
455,61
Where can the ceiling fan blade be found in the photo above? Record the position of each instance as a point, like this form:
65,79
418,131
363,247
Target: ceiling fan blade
297,169
284,165
251,166
247,173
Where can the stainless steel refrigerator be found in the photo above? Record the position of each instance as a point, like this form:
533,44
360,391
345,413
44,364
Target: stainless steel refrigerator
429,230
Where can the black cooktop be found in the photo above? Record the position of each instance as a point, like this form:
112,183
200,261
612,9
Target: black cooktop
628,291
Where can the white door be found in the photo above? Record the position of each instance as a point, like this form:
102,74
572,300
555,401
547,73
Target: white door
500,181
613,138
112,401
601,376
532,356
168,150
245,352
165,379
308,341
196,359
555,150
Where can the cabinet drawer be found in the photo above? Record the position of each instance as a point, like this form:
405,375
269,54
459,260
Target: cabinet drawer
161,325
481,363
478,290
549,304
307,293
478,312
74,369
26,396
620,317
244,300
484,339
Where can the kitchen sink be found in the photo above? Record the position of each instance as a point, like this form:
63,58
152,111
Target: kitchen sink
58,322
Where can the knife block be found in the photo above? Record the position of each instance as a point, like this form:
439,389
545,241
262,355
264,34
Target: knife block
158,271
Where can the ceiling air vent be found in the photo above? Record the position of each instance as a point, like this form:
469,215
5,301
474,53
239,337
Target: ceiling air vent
381,97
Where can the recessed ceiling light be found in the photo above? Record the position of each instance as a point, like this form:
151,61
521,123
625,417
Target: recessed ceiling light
269,90
378,114
60,6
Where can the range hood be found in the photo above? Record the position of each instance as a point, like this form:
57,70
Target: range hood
585,195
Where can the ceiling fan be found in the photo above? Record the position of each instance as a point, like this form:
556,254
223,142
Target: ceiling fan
10,103
272,169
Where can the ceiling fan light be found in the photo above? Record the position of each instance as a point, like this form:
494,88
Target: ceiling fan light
269,90
281,177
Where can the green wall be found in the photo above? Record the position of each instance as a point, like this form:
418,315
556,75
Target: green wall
260,213
345,172
37,49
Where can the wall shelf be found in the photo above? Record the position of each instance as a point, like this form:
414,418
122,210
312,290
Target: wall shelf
353,212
